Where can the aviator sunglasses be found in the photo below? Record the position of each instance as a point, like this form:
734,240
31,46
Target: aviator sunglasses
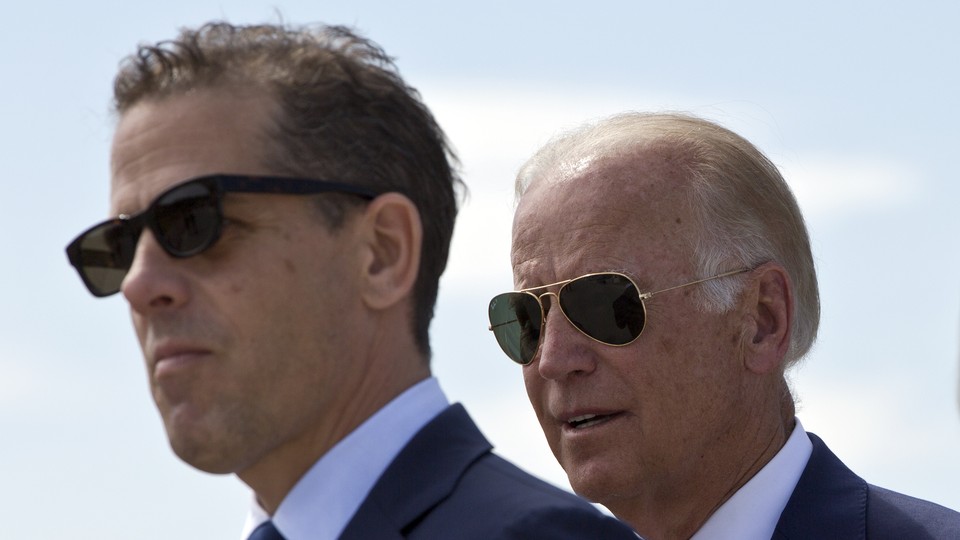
186,220
606,307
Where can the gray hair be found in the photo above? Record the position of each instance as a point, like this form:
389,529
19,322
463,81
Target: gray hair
746,213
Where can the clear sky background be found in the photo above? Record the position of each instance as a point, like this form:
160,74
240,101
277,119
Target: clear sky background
856,102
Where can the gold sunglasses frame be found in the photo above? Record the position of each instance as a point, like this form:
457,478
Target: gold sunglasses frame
562,284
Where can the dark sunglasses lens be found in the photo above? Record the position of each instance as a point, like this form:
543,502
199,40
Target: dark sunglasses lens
606,307
103,255
187,219
515,320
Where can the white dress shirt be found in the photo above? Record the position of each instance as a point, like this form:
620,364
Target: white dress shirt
754,510
322,502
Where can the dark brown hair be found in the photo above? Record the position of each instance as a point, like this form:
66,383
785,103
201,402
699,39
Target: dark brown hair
345,114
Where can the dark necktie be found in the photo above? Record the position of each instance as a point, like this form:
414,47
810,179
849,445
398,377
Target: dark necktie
266,531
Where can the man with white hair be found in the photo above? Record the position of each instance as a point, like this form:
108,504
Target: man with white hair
664,284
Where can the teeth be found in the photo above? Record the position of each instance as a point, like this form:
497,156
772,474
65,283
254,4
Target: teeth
586,420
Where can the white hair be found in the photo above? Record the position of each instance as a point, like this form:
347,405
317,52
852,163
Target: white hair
746,213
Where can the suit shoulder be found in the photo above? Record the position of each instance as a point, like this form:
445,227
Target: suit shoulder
520,485
831,501
895,515
504,502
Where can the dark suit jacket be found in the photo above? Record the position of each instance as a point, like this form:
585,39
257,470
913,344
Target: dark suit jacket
831,502
447,484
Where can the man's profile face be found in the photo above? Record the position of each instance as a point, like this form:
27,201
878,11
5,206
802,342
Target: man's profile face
244,342
662,401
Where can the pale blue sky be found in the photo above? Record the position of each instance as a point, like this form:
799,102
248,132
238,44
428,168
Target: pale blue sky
856,101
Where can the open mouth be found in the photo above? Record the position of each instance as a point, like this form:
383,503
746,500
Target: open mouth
587,420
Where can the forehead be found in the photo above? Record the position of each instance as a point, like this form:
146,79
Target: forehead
161,142
627,213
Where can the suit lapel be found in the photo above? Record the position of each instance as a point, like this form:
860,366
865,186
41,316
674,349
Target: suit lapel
423,474
830,501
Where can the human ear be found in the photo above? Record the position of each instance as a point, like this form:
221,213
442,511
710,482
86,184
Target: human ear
392,235
769,305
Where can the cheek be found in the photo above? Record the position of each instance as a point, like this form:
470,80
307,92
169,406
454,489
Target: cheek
140,326
532,380
262,281
537,393
536,389
666,346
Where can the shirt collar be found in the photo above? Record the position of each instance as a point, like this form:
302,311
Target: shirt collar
322,502
754,510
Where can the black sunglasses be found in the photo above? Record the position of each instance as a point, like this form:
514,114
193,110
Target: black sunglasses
606,307
186,220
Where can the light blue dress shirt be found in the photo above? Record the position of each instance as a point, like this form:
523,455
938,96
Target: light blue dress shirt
324,500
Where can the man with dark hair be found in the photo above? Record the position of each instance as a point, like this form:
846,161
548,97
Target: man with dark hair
665,283
284,205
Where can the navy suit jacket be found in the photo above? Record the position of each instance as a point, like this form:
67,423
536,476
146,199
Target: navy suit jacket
447,484
831,502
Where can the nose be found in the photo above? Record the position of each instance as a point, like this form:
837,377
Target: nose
155,279
564,350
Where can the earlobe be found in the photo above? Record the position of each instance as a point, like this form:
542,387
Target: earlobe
392,236
770,305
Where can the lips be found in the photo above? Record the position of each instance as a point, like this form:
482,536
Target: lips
583,421
169,359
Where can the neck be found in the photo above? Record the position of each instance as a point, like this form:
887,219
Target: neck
380,368
739,457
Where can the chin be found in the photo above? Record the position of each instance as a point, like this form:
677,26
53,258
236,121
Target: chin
590,489
596,480
204,457
201,447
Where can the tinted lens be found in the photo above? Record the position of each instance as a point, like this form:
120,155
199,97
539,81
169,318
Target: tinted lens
186,219
606,307
103,255
515,319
